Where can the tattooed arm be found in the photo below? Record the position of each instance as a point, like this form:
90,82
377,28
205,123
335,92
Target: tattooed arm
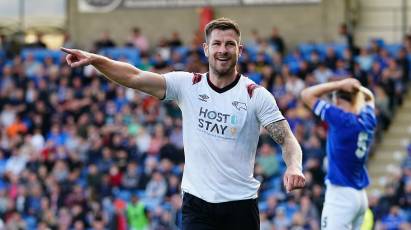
281,133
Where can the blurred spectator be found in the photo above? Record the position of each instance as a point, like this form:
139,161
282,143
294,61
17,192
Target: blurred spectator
163,49
78,148
16,163
281,221
322,74
105,41
175,40
4,45
156,188
265,223
137,214
138,40
394,219
345,36
330,59
131,179
309,213
268,159
255,40
277,41
404,64
15,221
32,67
39,43
365,59
67,42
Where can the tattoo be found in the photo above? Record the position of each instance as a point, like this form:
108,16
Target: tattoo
278,131
281,133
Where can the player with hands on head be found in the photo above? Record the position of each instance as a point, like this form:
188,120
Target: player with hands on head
351,122
222,115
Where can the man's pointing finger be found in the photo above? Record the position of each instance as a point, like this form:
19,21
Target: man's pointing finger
69,51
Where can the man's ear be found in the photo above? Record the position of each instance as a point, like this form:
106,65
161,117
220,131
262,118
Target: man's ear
240,50
205,48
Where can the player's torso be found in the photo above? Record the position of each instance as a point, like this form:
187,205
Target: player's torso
349,144
347,150
220,130
218,115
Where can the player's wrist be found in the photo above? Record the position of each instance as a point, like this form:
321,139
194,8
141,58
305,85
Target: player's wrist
94,59
298,167
340,85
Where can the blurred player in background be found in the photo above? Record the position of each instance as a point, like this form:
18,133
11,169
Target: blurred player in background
351,120
222,114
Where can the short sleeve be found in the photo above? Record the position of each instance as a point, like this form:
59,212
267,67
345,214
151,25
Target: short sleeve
332,114
267,110
174,85
367,118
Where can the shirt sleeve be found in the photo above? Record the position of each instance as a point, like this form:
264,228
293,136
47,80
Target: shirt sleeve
368,118
266,107
174,85
331,114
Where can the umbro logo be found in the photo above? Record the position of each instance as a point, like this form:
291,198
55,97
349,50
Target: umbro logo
240,105
203,97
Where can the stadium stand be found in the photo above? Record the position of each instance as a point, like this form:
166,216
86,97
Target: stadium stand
78,152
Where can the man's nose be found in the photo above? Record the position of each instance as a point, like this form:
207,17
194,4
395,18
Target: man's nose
222,49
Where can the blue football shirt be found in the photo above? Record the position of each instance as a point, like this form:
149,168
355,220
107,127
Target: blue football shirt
348,141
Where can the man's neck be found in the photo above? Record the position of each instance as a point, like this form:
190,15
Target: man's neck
222,81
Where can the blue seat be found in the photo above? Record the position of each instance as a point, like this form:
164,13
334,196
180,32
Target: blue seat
393,49
182,50
131,54
82,181
31,222
267,193
306,49
262,206
379,41
290,58
123,195
294,67
339,49
40,54
252,51
141,193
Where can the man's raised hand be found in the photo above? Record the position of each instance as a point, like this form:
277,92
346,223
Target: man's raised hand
77,58
350,85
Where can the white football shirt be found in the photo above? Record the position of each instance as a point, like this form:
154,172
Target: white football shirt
221,128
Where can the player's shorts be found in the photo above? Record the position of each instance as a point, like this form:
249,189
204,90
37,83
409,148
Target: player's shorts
201,215
344,208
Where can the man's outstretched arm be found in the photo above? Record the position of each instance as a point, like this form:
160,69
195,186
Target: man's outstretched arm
281,133
119,72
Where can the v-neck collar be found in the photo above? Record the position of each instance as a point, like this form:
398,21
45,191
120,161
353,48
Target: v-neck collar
225,88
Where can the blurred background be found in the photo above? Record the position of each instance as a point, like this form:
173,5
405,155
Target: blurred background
79,152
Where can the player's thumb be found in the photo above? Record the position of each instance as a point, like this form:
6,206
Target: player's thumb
82,62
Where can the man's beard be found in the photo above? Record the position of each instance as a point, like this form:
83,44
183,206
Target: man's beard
222,71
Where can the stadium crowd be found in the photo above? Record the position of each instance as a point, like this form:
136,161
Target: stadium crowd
79,152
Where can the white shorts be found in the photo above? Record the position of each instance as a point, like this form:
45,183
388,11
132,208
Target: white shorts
344,208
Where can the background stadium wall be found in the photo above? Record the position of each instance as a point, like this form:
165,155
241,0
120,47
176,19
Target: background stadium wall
299,22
